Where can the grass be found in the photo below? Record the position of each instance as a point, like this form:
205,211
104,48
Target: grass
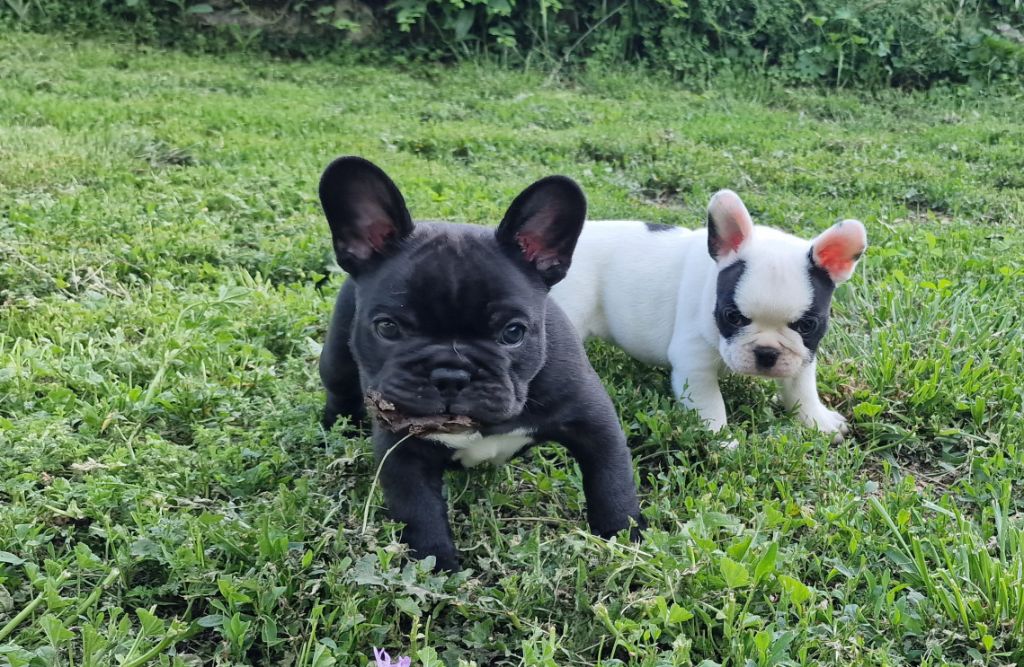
167,496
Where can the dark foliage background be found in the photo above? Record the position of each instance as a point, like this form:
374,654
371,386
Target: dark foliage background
907,43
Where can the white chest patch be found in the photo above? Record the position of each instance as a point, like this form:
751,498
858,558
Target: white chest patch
472,449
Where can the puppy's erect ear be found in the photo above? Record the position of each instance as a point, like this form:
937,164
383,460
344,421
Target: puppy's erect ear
729,224
837,249
365,211
542,225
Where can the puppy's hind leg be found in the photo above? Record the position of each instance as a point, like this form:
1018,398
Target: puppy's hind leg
338,369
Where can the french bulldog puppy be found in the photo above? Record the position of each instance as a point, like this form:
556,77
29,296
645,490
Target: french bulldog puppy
749,297
447,333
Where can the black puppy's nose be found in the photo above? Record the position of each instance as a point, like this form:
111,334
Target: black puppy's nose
449,381
766,356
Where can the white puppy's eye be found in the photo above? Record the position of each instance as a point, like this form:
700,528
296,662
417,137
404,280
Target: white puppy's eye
805,325
387,328
735,318
512,334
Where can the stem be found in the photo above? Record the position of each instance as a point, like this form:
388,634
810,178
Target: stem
154,651
158,378
27,611
22,615
91,600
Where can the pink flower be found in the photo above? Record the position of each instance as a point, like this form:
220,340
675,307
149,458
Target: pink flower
384,660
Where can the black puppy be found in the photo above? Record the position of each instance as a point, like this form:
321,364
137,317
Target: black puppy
447,331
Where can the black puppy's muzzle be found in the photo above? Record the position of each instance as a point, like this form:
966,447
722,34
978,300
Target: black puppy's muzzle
448,390
449,382
467,378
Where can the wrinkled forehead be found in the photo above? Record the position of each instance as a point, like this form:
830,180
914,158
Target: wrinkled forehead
459,286
775,286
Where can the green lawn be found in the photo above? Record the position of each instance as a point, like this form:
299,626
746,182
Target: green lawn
165,283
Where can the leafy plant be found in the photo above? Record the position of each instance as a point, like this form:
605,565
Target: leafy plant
907,43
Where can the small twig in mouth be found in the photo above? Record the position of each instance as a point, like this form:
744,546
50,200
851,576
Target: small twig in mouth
391,419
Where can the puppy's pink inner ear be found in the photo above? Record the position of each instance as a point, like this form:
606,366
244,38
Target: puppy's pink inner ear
536,250
737,224
378,232
731,222
838,249
375,231
372,238
733,242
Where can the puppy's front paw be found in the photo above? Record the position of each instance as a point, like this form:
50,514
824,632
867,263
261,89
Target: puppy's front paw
446,557
336,408
635,529
610,529
827,421
447,561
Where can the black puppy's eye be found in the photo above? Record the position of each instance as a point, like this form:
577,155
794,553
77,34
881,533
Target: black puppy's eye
805,325
387,328
735,318
512,334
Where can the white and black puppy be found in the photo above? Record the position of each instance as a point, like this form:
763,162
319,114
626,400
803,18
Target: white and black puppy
750,297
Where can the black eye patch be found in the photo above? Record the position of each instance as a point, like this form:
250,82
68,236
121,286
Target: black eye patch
813,324
727,316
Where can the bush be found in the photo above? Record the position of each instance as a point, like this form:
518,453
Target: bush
302,27
901,42
908,43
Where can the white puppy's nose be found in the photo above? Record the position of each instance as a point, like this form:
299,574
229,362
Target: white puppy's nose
766,356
